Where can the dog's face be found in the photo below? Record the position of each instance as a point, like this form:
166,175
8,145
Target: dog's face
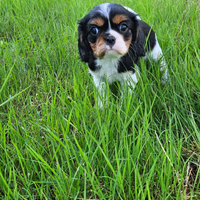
106,31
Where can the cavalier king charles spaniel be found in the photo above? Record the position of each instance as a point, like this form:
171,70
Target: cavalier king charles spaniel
112,39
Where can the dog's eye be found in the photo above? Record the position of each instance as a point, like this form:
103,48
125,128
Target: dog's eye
123,28
94,30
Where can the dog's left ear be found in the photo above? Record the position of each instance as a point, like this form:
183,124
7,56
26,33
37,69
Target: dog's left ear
84,48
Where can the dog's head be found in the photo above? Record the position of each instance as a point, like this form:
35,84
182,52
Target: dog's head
106,31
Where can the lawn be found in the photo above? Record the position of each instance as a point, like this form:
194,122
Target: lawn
54,141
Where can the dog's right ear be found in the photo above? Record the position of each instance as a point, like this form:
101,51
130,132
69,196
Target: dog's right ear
84,48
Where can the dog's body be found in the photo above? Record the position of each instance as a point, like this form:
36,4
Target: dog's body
112,39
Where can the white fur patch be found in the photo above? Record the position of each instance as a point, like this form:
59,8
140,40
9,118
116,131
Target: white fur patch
108,68
106,10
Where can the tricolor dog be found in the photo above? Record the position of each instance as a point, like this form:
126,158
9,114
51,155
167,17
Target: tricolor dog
111,40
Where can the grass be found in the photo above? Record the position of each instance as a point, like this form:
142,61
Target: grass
56,145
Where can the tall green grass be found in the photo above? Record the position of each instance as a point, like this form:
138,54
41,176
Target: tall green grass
57,144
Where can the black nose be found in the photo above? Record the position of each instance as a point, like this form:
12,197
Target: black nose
110,40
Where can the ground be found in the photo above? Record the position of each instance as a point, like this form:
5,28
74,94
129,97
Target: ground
57,144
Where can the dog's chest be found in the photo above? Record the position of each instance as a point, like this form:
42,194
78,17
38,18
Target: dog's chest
108,69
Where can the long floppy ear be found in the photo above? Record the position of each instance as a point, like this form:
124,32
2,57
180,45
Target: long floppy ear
84,48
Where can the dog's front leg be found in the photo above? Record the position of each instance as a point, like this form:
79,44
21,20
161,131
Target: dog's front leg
101,87
101,93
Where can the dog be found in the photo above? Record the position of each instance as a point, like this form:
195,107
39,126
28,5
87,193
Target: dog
111,40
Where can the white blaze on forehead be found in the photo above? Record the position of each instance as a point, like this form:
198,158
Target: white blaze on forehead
120,45
105,8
